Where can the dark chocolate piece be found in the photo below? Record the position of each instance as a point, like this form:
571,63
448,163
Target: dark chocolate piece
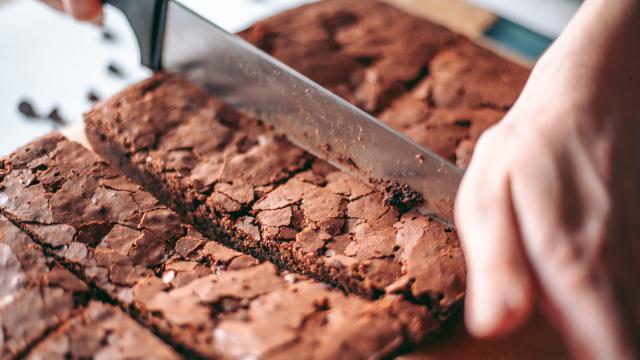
36,294
102,332
56,118
115,70
108,35
26,108
206,299
93,96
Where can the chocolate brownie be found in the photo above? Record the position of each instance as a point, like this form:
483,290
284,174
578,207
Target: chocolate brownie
230,175
102,331
365,51
234,178
205,299
36,294
437,87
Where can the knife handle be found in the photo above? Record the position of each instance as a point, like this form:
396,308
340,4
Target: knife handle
146,18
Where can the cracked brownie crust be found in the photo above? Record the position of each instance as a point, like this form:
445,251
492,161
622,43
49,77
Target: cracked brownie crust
437,87
102,331
36,294
236,180
232,177
266,197
199,296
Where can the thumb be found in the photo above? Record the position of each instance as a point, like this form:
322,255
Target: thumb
500,285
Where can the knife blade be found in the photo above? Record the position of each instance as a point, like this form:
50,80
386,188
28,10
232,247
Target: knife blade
309,115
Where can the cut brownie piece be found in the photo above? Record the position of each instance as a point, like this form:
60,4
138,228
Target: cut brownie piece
36,294
314,220
205,299
418,77
102,332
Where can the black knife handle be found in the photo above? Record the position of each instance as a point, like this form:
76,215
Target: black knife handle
147,19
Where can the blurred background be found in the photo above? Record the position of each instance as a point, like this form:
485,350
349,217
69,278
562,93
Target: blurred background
52,69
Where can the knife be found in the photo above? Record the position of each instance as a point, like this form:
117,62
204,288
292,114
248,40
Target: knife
177,40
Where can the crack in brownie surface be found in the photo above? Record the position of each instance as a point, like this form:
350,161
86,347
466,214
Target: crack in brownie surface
36,294
208,300
102,331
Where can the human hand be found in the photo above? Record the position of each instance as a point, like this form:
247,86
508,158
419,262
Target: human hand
549,209
85,10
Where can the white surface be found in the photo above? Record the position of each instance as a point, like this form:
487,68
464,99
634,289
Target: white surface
547,17
54,61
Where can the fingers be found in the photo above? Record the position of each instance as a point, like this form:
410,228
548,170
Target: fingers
86,10
567,221
500,287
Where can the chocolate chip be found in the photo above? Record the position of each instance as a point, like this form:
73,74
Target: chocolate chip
56,118
92,96
108,36
26,108
115,69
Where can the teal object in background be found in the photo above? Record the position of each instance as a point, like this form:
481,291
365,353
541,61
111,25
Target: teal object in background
518,38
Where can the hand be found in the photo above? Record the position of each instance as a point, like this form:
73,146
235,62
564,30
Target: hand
85,10
549,209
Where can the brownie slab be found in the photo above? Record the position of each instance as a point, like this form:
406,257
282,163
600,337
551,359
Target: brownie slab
36,294
437,87
102,331
365,51
204,299
231,176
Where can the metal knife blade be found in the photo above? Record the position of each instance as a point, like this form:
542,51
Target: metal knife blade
310,116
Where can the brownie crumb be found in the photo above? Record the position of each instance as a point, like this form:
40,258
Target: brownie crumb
115,69
400,196
347,161
324,147
26,108
56,118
